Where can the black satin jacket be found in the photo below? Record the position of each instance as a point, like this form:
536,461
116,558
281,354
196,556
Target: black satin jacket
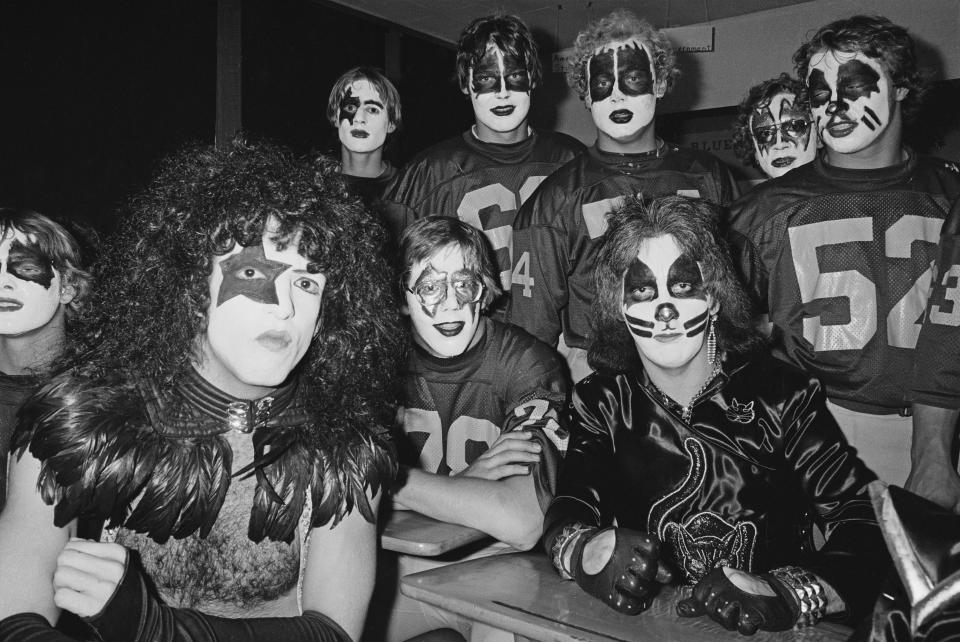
739,485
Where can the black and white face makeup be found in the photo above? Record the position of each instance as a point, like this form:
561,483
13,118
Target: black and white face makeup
31,289
364,121
445,326
781,132
852,100
665,305
500,91
623,91
264,307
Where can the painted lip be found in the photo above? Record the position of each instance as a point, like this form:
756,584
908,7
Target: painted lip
359,133
668,337
10,305
783,161
450,329
274,340
841,128
621,116
504,110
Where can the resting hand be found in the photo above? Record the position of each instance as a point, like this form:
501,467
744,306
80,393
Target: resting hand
513,453
87,576
740,602
620,567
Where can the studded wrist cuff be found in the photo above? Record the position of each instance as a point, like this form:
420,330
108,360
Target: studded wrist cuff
806,590
567,536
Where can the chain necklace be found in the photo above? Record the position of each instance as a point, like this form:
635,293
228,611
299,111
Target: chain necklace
686,412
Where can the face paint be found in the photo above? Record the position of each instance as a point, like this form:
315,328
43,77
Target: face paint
500,91
665,304
851,98
622,89
30,287
364,121
781,132
265,303
449,326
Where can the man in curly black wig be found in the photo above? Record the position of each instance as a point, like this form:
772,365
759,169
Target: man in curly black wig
244,343
774,127
694,454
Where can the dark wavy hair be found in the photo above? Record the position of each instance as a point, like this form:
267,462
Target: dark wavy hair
389,93
693,223
66,254
758,97
621,25
510,35
876,37
431,234
153,292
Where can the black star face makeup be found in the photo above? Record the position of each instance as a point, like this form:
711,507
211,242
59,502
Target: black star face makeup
499,91
443,299
665,304
622,94
264,307
851,98
364,121
782,135
30,287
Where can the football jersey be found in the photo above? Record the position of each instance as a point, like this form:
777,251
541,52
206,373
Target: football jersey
558,232
483,184
936,377
456,408
840,259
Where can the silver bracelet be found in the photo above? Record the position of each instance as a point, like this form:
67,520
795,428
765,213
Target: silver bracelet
569,534
808,590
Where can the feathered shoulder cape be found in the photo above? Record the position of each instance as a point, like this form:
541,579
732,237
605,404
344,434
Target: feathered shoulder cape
157,462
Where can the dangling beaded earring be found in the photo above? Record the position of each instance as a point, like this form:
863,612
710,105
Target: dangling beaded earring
712,343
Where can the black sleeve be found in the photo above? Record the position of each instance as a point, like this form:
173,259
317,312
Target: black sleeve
854,560
134,614
30,627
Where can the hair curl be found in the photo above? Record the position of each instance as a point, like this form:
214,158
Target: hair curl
66,254
758,97
389,94
621,25
693,223
429,235
510,35
150,306
875,37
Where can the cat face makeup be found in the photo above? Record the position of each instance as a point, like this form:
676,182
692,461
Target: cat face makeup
364,121
665,305
623,91
852,100
264,307
443,299
499,91
31,289
781,132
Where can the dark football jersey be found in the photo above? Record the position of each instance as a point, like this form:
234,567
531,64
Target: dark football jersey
482,184
841,261
557,233
456,408
371,189
936,377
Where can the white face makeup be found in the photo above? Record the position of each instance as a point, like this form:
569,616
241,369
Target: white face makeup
499,90
31,290
782,135
851,98
443,300
364,121
665,305
623,89
264,307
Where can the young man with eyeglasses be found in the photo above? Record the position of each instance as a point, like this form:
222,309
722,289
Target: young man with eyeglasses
481,428
774,129
838,252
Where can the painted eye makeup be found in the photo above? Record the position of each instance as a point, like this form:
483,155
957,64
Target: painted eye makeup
307,285
249,273
789,128
27,263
